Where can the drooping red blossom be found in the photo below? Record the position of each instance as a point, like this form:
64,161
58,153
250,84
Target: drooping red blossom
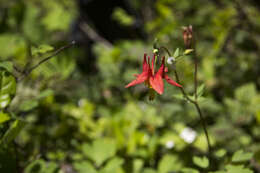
152,79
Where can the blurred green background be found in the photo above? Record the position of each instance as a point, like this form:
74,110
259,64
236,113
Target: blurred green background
73,115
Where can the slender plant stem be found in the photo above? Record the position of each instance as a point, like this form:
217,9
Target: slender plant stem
204,124
26,72
194,102
195,74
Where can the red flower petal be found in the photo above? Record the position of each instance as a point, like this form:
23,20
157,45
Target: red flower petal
157,83
170,81
153,64
140,79
145,64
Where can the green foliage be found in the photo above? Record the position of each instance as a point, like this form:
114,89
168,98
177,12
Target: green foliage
7,88
122,17
44,48
202,162
4,117
12,132
240,156
100,150
63,118
237,169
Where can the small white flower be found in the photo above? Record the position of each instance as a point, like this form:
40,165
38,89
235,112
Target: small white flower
170,60
169,144
188,135
81,102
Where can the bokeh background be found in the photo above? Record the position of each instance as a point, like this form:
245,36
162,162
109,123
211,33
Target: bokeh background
78,116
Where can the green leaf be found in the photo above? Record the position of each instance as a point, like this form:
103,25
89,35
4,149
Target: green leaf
237,169
220,153
122,17
44,48
58,17
241,156
45,93
179,96
7,88
13,131
149,170
82,167
113,165
168,163
202,162
7,65
200,90
100,150
189,170
4,117
176,53
36,166
28,105
138,165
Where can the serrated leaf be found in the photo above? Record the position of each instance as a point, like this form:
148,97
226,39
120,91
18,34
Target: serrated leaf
7,88
241,156
13,131
4,117
100,150
202,162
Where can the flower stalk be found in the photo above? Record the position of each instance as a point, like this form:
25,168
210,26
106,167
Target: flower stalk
195,101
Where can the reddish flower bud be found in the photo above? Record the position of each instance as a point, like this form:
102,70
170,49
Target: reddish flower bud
187,36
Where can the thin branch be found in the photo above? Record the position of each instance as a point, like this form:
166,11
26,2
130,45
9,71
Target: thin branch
93,35
28,71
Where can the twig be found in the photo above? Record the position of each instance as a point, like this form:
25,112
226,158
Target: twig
93,35
25,73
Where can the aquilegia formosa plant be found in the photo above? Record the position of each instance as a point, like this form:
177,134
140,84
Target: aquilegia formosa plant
155,80
150,78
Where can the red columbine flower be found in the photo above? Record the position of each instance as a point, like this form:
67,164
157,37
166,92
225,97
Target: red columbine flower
154,81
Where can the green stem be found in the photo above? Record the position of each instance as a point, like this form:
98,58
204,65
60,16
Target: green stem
191,100
195,75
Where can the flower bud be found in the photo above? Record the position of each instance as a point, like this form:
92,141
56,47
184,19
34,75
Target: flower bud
155,51
187,36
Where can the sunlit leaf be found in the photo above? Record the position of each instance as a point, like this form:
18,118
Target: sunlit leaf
13,131
241,156
4,117
7,88
202,162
